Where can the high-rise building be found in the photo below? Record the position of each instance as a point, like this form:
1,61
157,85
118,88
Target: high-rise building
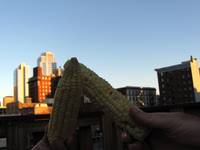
39,86
21,76
142,96
179,83
47,62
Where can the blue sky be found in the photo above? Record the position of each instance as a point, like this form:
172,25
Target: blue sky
123,41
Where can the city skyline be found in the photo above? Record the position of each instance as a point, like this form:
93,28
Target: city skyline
122,41
46,52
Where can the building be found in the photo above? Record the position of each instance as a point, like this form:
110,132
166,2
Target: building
149,96
21,76
55,79
179,83
91,130
59,72
2,110
7,100
54,83
39,85
47,62
142,96
28,108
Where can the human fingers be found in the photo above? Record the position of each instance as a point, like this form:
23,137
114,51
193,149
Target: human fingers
42,144
154,120
58,144
133,145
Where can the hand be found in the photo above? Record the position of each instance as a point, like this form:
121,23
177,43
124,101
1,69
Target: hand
170,131
44,144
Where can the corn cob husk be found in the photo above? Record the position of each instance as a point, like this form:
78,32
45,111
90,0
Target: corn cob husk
78,80
66,104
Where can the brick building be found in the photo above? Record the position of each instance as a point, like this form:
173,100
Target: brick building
179,83
39,85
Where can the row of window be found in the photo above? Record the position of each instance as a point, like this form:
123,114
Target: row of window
44,83
44,87
46,78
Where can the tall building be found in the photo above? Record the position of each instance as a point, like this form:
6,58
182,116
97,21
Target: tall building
142,96
179,83
47,62
21,76
39,86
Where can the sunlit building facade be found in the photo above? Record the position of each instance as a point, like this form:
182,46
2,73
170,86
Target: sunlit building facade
47,62
179,83
21,77
7,100
39,86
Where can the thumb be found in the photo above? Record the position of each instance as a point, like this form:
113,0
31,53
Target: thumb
153,120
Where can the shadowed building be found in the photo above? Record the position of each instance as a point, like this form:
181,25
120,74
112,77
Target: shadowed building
149,96
95,131
55,79
179,83
142,96
54,83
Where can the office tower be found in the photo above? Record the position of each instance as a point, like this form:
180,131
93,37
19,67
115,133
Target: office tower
142,96
21,76
39,86
179,83
47,62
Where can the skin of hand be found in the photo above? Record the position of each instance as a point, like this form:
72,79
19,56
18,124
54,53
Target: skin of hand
170,131
44,144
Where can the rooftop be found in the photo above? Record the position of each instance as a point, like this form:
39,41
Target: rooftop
135,87
183,65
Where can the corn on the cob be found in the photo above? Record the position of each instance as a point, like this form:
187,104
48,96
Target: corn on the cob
66,104
77,81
